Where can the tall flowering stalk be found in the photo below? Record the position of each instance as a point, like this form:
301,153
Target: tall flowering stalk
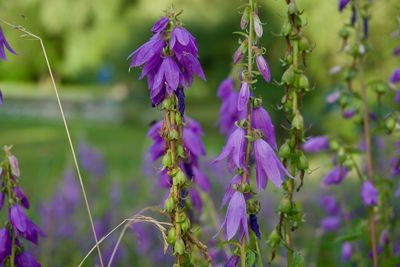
170,62
18,226
296,85
251,136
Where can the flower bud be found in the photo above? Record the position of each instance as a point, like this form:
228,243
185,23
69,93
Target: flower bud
185,225
179,247
173,135
274,238
180,152
286,29
167,104
178,118
179,178
302,164
245,18
171,238
390,123
167,159
284,151
169,204
304,44
285,206
245,187
292,8
298,121
257,25
288,76
303,82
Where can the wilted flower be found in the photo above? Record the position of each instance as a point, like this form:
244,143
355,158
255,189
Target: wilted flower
369,194
3,45
316,144
262,121
335,176
346,252
244,96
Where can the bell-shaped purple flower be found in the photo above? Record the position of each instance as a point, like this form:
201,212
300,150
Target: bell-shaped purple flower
167,75
238,55
5,244
330,223
4,45
343,4
244,96
233,261
346,252
335,176
234,149
316,144
225,88
228,113
263,67
395,78
20,194
229,190
268,166
160,25
18,218
148,51
369,194
236,217
262,121
25,259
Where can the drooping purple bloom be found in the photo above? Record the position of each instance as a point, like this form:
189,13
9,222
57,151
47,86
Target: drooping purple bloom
395,78
4,45
160,25
167,76
396,51
330,223
263,67
316,144
333,97
254,225
335,176
233,261
236,217
268,166
228,113
234,149
25,259
343,4
18,218
149,51
5,244
369,194
201,179
262,121
192,141
349,113
20,194
229,190
346,252
244,96
330,204
238,55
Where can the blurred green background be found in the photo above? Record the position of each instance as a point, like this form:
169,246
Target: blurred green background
88,43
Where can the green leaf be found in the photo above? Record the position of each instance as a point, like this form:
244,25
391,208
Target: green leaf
251,258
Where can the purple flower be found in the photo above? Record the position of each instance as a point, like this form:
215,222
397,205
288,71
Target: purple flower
236,217
167,76
369,194
3,45
238,55
1,98
201,179
384,238
229,190
397,97
148,52
160,25
330,223
25,259
5,244
254,225
349,113
262,66
234,149
316,144
330,204
20,194
335,176
257,25
268,166
192,141
233,261
262,121
244,96
346,252
180,94
333,97
396,51
92,160
395,76
229,114
1,200
196,199
226,88
343,4
23,225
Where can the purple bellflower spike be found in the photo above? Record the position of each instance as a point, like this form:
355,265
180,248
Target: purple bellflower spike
268,166
160,25
236,217
4,45
335,176
343,4
333,97
5,244
262,66
316,144
346,252
262,121
25,259
395,78
369,194
244,96
234,149
330,223
396,51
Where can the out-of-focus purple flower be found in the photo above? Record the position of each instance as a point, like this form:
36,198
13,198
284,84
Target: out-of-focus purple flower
330,204
268,166
192,140
349,113
234,149
254,225
244,96
196,200
1,98
225,88
14,165
353,18
25,259
160,25
1,200
395,78
201,179
92,160
366,27
335,176
396,51
233,261
263,67
343,4
316,144
330,223
228,113
5,244
236,217
20,194
3,45
397,97
229,190
262,121
333,97
346,252
384,238
369,194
